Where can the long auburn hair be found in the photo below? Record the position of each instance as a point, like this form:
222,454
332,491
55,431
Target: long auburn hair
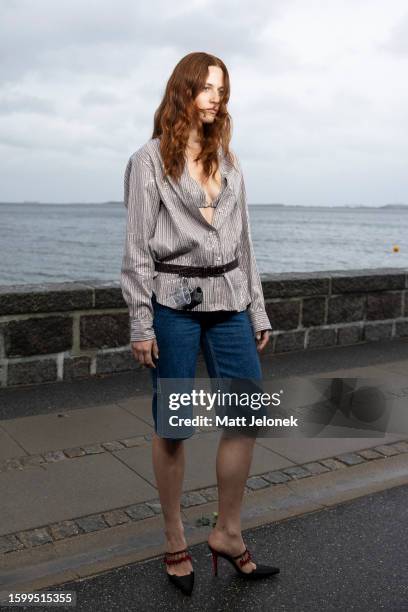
177,112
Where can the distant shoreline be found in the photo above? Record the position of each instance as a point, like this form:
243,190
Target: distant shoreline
348,206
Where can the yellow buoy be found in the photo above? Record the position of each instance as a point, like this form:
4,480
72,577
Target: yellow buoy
395,248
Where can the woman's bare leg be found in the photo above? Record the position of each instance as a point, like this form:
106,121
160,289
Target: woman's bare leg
234,459
168,464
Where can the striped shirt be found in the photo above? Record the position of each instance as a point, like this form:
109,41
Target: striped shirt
164,223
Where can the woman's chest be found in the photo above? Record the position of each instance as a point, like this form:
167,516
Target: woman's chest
209,187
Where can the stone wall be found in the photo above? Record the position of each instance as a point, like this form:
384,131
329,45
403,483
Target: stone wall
65,331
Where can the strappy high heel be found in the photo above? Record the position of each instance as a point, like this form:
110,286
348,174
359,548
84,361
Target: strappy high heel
261,571
184,583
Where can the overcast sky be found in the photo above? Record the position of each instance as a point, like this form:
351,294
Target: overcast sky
319,94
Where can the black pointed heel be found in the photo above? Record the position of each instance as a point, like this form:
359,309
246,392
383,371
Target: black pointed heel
184,583
261,571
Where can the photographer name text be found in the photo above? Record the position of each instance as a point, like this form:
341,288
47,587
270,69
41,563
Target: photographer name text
225,421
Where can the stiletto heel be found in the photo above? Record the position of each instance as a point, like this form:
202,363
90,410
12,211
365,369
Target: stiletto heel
184,583
215,562
261,571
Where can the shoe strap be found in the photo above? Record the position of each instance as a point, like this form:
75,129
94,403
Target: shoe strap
246,557
185,557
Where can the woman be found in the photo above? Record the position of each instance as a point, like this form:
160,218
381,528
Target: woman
188,228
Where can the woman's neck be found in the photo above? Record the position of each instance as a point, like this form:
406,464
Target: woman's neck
193,144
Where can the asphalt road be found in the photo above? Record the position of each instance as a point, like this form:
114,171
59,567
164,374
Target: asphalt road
349,557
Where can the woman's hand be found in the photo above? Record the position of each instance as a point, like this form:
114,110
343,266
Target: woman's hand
262,339
144,351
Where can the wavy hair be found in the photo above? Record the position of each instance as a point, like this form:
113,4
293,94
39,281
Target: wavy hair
177,113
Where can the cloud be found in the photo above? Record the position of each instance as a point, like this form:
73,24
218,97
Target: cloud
24,103
99,98
111,38
318,98
398,40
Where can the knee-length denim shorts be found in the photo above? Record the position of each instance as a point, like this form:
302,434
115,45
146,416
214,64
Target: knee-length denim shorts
226,339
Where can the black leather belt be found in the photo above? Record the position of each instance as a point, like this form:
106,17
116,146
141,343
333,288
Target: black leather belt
162,266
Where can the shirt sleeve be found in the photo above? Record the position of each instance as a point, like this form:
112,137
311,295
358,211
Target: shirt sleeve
257,311
142,200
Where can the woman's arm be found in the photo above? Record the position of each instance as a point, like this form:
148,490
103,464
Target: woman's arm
143,202
257,312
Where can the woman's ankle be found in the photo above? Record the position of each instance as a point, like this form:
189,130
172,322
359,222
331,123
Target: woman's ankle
227,531
174,534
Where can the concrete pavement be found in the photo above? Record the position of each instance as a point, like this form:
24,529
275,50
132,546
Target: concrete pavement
76,480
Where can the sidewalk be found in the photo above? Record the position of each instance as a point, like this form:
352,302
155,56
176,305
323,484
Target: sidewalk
77,487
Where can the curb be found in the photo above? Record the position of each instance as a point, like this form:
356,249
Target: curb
95,553
64,530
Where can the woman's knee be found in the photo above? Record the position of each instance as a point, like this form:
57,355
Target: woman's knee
169,445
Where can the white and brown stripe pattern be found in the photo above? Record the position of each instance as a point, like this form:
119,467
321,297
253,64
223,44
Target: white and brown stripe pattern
164,223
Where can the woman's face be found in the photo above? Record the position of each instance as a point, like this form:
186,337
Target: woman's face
208,100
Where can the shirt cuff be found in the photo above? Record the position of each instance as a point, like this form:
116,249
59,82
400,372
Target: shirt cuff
141,329
259,320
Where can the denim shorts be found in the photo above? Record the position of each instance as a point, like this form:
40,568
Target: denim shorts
226,339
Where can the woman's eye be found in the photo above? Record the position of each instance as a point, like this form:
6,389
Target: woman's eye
205,89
